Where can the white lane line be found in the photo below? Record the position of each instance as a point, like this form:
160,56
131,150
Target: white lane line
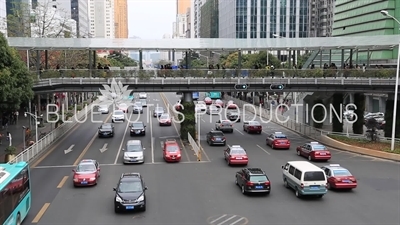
237,221
122,141
119,164
218,219
152,140
203,120
240,132
227,220
264,150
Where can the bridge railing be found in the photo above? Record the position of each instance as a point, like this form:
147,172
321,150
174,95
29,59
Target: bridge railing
226,73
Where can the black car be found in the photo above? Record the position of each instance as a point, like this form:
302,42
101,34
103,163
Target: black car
137,128
216,138
253,180
130,194
106,130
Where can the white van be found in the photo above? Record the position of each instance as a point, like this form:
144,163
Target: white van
305,178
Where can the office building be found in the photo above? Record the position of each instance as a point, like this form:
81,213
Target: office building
3,17
166,55
321,18
101,18
196,17
263,19
19,26
209,19
189,24
179,27
121,18
182,6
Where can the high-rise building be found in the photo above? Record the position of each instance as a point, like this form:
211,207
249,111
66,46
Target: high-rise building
20,25
101,18
250,19
121,18
209,19
166,55
182,6
321,18
3,17
189,24
179,27
79,13
196,17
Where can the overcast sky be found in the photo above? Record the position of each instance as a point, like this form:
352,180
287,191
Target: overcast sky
151,19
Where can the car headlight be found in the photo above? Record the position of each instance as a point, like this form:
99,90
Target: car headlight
118,199
140,157
140,199
92,179
179,155
76,179
126,157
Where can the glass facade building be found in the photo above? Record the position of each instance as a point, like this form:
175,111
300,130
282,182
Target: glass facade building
209,19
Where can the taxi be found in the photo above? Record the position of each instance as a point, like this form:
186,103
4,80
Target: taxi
219,103
278,140
339,177
86,173
231,105
171,151
236,155
208,101
314,151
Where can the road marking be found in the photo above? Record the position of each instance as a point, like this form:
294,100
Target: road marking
69,149
264,150
119,164
152,140
41,213
62,182
203,120
122,141
240,132
227,219
104,148
89,144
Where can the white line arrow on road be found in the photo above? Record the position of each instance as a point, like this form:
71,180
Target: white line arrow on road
104,148
69,149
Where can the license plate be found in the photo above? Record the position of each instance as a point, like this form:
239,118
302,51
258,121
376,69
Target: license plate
314,188
239,158
259,187
130,207
218,139
133,160
346,181
84,182
137,132
173,158
322,153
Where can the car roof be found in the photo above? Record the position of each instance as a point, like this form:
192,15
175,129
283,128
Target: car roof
335,166
87,161
134,142
171,142
217,132
137,122
304,165
118,110
106,124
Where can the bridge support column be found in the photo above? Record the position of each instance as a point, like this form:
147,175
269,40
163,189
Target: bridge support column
351,57
382,104
369,103
38,63
351,98
173,57
389,116
290,59
187,97
330,57
46,59
140,59
39,105
94,58
342,59
90,64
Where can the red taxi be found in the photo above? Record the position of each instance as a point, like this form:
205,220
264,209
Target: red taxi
208,101
124,107
236,155
171,151
314,151
339,177
252,127
219,103
86,173
178,106
278,140
231,105
165,120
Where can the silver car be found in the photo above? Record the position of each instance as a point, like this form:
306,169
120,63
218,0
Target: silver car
134,152
158,111
212,110
137,108
103,109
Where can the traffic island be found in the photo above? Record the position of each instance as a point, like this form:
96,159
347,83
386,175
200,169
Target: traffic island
187,118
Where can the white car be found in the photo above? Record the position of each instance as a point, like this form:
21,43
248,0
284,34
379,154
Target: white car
200,106
118,115
142,95
103,109
213,110
123,107
134,152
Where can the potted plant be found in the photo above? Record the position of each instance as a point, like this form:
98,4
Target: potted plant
10,153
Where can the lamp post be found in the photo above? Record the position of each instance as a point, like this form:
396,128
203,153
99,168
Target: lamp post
396,88
35,118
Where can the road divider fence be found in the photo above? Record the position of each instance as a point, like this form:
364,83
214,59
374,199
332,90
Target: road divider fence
196,148
31,153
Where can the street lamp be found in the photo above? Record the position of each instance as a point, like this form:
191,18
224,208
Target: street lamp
396,88
23,136
35,117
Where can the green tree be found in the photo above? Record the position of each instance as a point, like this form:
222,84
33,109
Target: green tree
15,81
188,119
118,59
337,100
195,61
359,101
249,61
301,59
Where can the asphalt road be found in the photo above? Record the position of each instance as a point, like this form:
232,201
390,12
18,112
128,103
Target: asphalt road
204,192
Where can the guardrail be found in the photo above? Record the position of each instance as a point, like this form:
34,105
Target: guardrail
195,147
31,153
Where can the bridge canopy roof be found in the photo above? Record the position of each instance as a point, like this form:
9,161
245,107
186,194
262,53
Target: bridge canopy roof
359,42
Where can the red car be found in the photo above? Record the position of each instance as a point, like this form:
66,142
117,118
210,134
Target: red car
124,107
171,151
339,177
208,101
165,120
219,103
314,151
86,173
178,106
236,155
232,106
278,140
252,127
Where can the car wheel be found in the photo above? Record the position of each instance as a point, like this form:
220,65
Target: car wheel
112,121
243,190
298,153
244,129
239,120
116,210
297,193
144,208
236,182
224,144
232,131
227,162
144,133
328,186
273,146
285,183
320,196
309,158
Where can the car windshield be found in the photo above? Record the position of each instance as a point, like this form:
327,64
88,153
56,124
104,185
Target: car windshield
238,152
134,148
226,123
201,103
138,104
142,93
318,147
123,105
106,126
143,101
159,109
172,148
103,107
137,125
258,178
314,176
86,168
280,136
118,113
164,117
341,172
254,123
130,186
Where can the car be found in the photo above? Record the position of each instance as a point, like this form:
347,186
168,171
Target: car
165,120
142,95
178,106
134,152
208,101
86,173
253,180
212,110
158,111
224,126
339,177
118,115
130,193
200,106
106,130
252,127
124,107
137,108
137,128
231,105
314,151
236,155
144,102
131,96
278,140
104,109
216,138
219,103
171,151
233,115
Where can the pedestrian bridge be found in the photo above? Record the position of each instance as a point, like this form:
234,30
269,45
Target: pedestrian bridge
316,80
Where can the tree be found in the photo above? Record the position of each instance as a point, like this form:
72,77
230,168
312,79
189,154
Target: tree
195,61
16,82
250,61
117,59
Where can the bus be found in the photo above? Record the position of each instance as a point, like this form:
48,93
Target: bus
195,95
15,193
213,95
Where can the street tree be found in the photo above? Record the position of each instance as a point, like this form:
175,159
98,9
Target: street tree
16,83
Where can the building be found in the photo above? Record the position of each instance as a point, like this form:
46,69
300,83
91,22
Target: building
182,6
263,19
121,18
3,17
179,27
18,26
101,18
196,17
321,18
189,24
209,19
363,18
166,55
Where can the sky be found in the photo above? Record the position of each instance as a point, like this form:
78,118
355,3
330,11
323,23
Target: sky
151,19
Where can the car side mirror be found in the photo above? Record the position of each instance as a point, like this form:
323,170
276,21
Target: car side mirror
99,127
145,188
283,167
73,171
115,189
